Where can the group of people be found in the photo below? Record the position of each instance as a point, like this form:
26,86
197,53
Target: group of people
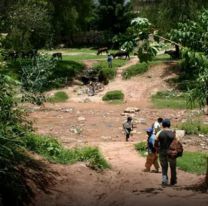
159,139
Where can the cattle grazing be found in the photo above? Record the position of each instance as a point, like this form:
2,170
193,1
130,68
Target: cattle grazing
121,54
175,54
101,50
57,56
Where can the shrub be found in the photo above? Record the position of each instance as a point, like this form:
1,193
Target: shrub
52,150
113,95
141,147
194,127
58,97
135,70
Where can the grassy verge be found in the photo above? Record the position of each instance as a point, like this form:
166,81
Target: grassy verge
161,58
58,97
135,70
170,99
194,127
53,151
115,95
192,162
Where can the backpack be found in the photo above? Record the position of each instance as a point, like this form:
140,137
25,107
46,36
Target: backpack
175,149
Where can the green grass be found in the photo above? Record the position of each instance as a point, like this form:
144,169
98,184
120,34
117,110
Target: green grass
170,99
53,151
135,70
81,57
160,59
58,97
141,147
194,127
113,95
192,162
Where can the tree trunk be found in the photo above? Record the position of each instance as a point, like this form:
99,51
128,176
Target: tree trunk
206,178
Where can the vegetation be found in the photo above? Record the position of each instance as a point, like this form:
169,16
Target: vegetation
194,127
135,70
193,162
113,95
58,97
52,150
170,99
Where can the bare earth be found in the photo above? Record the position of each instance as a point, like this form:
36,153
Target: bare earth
99,124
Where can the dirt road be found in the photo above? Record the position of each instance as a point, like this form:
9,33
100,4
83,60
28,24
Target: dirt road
125,184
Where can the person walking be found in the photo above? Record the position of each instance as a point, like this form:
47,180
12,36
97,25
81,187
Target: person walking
128,127
152,156
110,61
163,140
157,125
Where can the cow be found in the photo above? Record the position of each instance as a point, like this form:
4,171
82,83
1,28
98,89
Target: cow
121,54
104,49
57,56
175,54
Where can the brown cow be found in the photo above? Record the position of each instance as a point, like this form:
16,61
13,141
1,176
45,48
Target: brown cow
104,49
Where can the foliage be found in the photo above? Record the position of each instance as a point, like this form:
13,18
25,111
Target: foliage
58,97
170,99
29,25
52,150
193,162
193,34
114,16
13,127
194,127
135,70
141,147
137,37
113,95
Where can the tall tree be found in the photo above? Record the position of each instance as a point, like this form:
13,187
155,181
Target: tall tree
114,16
29,22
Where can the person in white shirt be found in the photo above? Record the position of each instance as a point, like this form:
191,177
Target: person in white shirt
157,125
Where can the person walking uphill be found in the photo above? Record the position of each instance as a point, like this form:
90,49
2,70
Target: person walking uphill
110,60
128,127
152,157
163,140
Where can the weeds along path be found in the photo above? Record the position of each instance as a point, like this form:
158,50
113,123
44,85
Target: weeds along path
125,184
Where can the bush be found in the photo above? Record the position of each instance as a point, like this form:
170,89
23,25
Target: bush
141,147
135,70
194,127
58,97
52,150
113,95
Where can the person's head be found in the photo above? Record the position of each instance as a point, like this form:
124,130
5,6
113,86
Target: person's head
160,120
129,118
166,123
149,131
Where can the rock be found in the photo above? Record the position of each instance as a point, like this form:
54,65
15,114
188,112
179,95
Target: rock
142,121
201,135
86,100
131,110
77,82
106,138
180,134
67,110
81,119
123,114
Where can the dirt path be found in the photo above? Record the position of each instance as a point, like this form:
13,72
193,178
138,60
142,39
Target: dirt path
125,184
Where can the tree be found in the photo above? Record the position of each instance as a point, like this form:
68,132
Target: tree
114,16
29,25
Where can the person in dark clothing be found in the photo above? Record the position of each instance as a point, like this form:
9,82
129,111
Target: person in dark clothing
128,127
162,142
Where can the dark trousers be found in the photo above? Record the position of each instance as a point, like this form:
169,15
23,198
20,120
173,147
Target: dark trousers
164,161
